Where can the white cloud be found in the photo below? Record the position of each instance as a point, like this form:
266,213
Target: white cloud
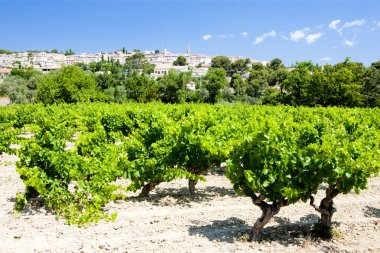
358,22
325,59
311,38
349,43
224,36
297,35
333,24
378,23
207,37
244,34
261,38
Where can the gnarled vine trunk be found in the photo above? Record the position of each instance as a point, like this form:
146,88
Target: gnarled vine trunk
326,209
192,183
268,211
147,188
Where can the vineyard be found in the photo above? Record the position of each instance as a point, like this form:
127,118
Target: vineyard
76,159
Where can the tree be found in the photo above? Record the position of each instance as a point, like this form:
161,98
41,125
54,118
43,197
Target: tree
222,62
239,85
116,94
371,87
173,87
156,51
4,51
180,61
141,88
257,81
67,85
277,77
69,52
54,51
275,64
25,73
297,84
136,62
240,66
17,89
376,65
215,81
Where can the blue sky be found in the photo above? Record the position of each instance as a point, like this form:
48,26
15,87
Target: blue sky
322,31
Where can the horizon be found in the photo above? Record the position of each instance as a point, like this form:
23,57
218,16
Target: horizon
324,32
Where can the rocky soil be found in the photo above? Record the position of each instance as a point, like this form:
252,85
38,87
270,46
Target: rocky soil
170,220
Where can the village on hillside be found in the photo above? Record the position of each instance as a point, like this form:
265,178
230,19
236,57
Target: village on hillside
45,61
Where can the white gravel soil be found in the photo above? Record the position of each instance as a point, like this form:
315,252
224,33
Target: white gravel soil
170,220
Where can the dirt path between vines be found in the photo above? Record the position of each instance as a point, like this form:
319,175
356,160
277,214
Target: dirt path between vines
170,220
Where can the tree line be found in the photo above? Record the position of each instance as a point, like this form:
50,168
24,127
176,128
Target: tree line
348,84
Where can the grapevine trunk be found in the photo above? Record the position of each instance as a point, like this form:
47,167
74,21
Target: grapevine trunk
327,209
268,211
266,216
192,184
147,188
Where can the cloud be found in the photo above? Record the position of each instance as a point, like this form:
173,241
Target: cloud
244,34
358,22
261,38
207,37
333,24
378,23
224,36
325,59
349,43
311,38
297,35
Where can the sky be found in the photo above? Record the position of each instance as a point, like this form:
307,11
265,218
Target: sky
323,31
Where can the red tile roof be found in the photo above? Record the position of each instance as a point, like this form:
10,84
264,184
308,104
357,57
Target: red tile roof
5,71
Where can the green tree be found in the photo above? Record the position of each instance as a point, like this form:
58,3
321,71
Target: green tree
376,65
275,64
141,88
173,87
222,62
17,89
371,87
215,80
136,62
54,51
297,84
4,51
240,66
180,61
67,85
239,84
25,73
69,52
257,81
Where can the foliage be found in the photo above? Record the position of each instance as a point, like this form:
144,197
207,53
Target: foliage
215,81
277,155
69,52
4,51
67,85
180,61
222,62
173,87
18,89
